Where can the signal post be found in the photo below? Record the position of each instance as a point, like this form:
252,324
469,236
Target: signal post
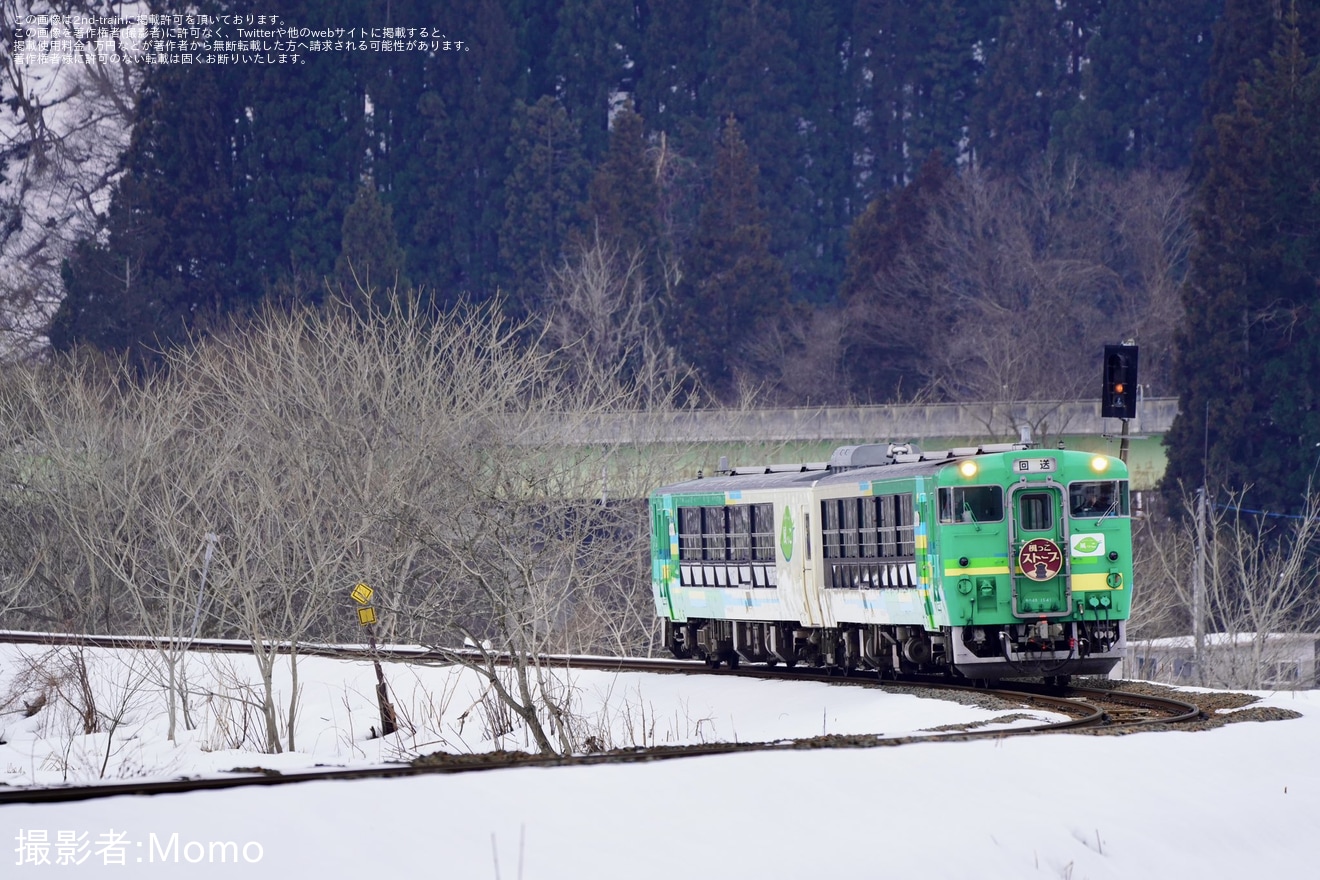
1119,399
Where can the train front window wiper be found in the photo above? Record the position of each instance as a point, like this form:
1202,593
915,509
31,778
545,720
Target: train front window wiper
1111,510
968,516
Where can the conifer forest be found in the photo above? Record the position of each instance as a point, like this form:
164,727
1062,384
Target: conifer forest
769,202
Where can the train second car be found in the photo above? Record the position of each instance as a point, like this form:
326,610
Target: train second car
990,562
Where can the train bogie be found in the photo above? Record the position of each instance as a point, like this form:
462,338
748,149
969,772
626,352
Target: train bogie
988,563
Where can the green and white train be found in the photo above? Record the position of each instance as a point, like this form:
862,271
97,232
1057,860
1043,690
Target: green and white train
989,562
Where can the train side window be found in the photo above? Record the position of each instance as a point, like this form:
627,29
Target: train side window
714,534
870,529
888,528
740,532
763,532
907,545
831,528
689,533
848,532
979,504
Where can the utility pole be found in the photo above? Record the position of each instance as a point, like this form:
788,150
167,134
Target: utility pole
1198,589
1198,583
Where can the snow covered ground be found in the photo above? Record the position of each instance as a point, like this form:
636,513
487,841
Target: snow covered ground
1231,802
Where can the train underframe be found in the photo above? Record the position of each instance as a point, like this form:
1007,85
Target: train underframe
1043,649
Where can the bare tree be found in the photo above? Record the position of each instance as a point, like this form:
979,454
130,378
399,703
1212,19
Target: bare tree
124,473
527,529
1259,583
1150,216
1162,562
50,582
1018,283
485,490
605,324
335,430
59,154
801,356
537,550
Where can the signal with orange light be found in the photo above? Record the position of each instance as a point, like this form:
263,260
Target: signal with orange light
1119,398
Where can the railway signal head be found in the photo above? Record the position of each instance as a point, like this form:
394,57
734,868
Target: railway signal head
1119,399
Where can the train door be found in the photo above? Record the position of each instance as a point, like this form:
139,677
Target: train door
813,614
1038,562
664,562
924,515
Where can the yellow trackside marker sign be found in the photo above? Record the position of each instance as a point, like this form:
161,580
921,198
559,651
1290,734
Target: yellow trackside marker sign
362,594
366,616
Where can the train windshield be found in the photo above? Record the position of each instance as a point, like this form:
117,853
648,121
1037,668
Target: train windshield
1098,498
971,504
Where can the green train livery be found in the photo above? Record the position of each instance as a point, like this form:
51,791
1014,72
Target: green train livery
990,562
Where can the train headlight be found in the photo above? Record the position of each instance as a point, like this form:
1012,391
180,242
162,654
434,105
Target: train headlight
968,469
1100,464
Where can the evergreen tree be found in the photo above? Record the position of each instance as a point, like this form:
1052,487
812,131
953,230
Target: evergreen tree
303,157
536,23
753,71
370,260
1144,84
168,263
892,223
882,73
1243,37
593,50
823,89
1026,84
946,76
916,71
622,198
894,226
733,283
1248,355
543,195
449,202
674,76
238,177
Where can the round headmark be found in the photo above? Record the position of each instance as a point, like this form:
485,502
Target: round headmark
1040,559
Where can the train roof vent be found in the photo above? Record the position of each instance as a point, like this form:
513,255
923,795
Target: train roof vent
869,455
875,454
801,468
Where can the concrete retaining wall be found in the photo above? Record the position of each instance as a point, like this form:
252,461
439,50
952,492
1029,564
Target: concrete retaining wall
982,421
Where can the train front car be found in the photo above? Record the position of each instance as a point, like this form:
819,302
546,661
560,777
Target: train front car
1034,549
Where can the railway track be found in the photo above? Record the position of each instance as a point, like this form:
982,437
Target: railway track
1122,711
1085,710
